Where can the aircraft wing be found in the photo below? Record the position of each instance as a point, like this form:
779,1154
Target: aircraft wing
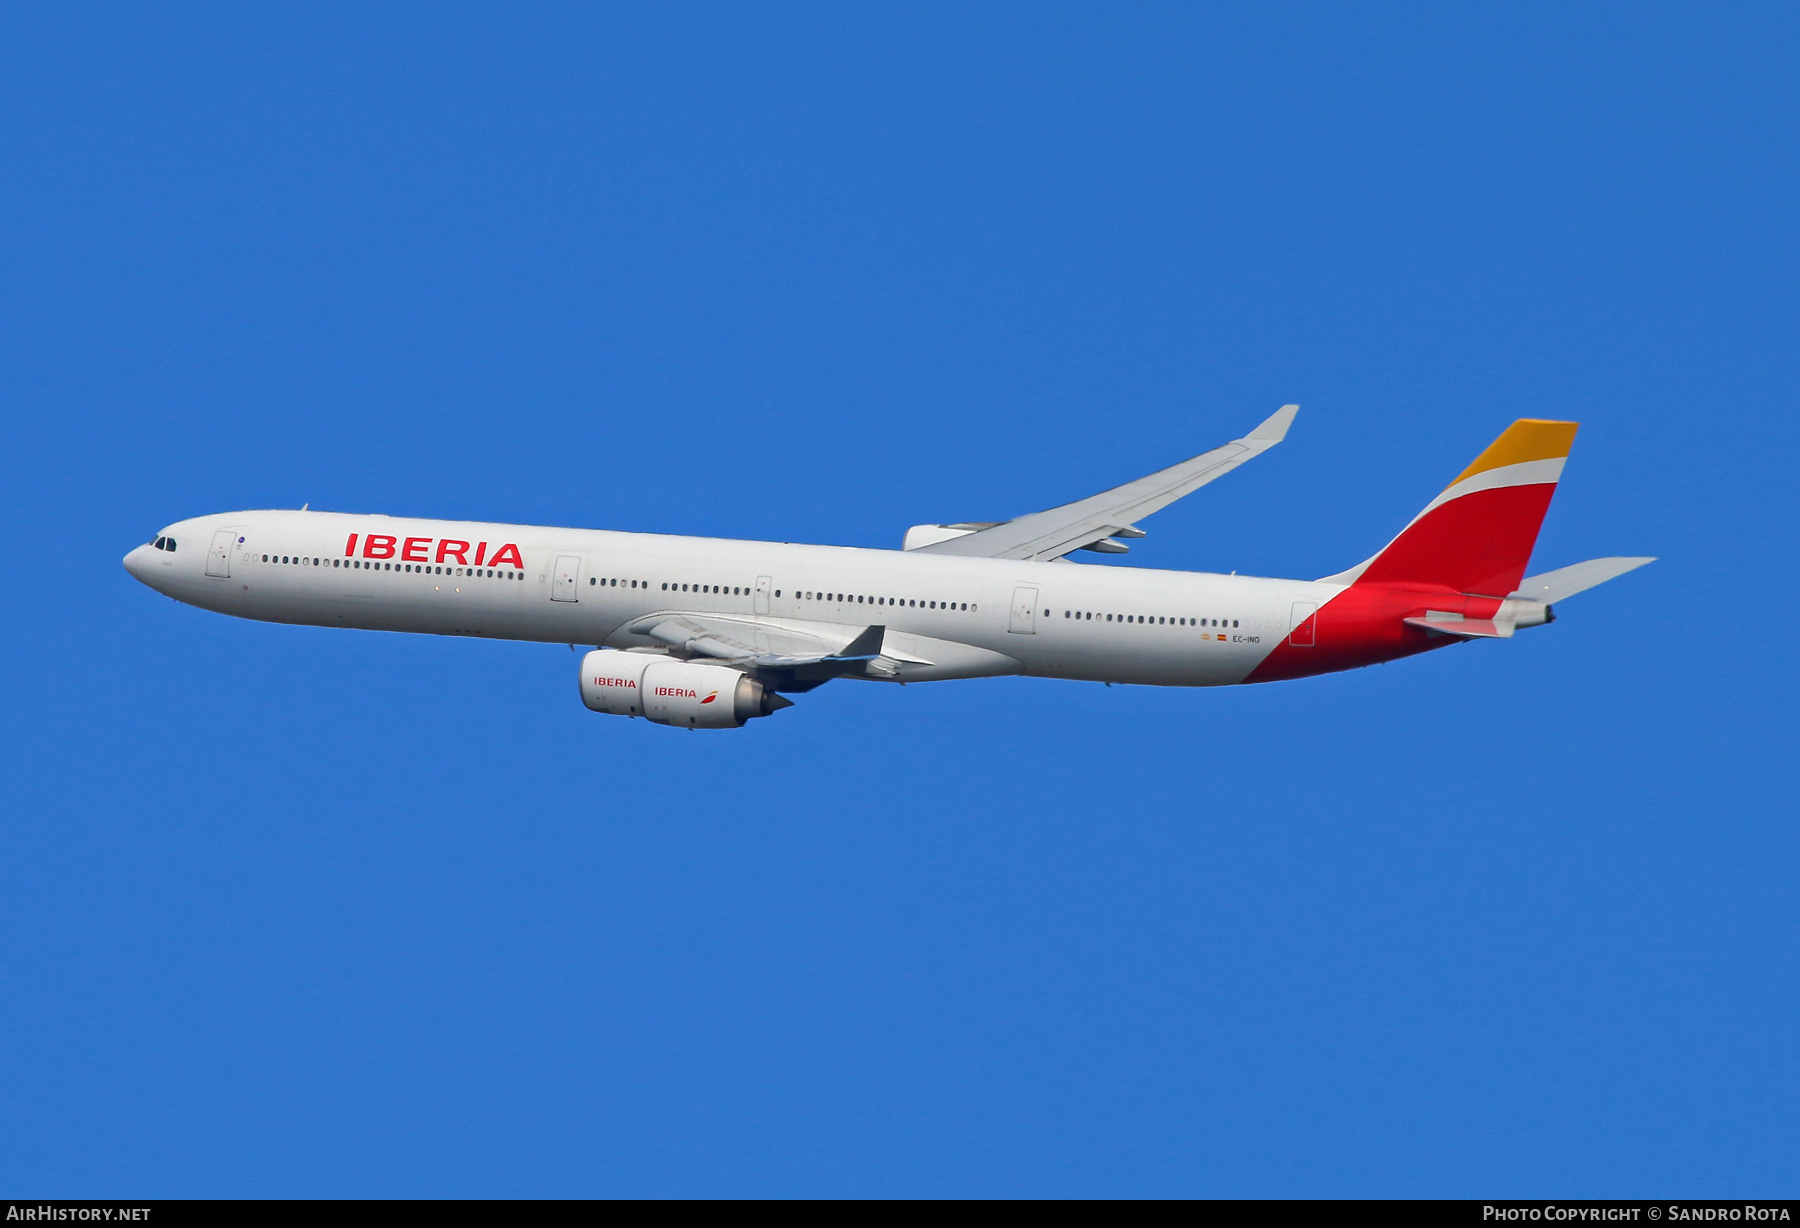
814,650
1091,523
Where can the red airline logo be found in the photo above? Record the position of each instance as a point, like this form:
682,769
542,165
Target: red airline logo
418,550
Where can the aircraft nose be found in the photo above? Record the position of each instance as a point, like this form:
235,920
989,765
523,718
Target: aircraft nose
138,562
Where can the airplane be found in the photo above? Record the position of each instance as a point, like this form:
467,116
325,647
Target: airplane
710,633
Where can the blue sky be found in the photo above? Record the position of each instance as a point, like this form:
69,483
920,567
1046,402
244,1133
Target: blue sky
293,911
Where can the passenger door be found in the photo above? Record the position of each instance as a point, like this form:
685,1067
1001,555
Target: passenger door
1302,624
1023,619
218,559
762,594
565,578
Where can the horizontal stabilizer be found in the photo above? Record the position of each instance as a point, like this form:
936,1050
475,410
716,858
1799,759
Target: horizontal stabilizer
1565,582
1468,628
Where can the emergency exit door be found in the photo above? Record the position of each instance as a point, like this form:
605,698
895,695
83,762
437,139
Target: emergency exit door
1023,620
565,580
761,605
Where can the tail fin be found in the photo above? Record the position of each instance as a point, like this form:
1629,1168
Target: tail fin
1477,536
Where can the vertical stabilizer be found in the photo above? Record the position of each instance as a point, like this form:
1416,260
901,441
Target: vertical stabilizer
1477,536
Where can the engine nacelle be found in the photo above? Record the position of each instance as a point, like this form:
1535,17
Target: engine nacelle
683,693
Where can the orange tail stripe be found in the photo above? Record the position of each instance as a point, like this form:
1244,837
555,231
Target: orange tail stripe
1528,439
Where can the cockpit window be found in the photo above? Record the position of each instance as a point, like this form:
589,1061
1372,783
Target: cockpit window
164,543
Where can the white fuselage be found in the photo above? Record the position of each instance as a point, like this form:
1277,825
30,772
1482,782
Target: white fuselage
966,617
